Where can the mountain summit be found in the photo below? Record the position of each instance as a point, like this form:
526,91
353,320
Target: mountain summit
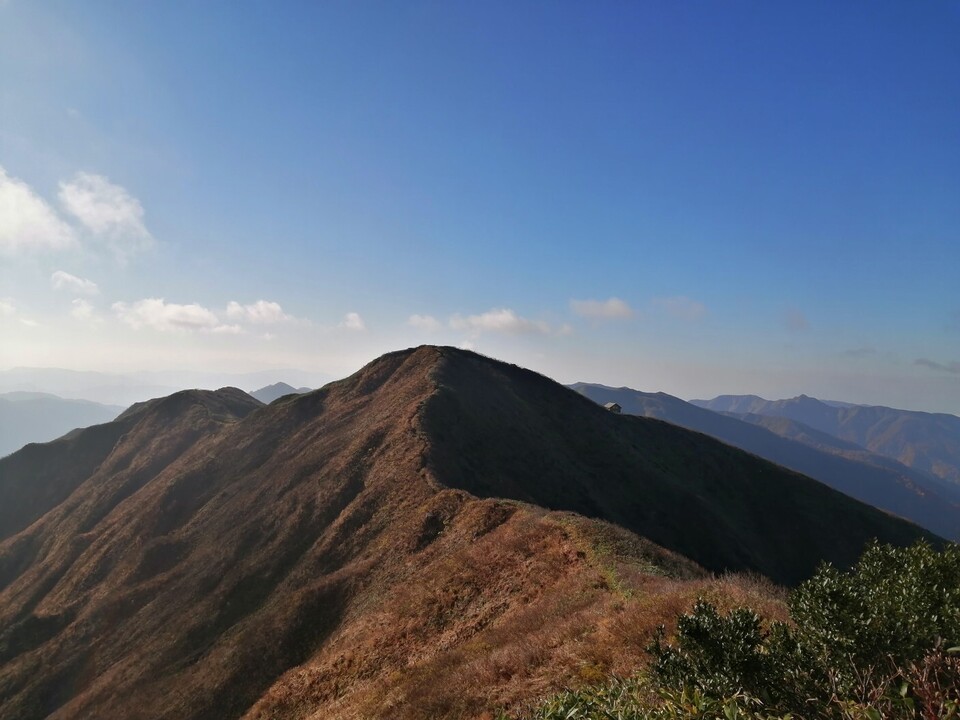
276,391
205,556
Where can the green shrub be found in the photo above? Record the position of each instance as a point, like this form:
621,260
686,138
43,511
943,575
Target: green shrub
854,644
724,654
896,605
879,641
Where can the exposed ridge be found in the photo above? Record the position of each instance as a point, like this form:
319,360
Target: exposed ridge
218,556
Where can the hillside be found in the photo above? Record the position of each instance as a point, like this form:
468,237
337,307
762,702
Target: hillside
387,546
929,442
844,466
27,417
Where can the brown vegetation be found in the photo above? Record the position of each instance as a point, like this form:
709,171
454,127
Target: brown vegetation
377,548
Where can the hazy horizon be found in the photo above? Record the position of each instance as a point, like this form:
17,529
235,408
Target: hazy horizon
695,199
133,386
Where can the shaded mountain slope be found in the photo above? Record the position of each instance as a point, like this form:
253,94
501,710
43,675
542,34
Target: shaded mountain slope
348,553
844,466
502,431
41,417
929,442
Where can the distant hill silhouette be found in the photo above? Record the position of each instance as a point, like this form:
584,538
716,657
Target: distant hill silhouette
127,388
276,391
844,466
359,550
27,417
929,442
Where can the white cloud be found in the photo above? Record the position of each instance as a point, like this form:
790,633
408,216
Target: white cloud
228,330
108,211
160,315
7,307
353,321
502,320
27,222
61,280
29,323
467,345
606,309
682,308
262,312
427,323
84,311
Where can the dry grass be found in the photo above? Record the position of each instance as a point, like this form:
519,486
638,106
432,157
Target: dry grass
495,620
329,556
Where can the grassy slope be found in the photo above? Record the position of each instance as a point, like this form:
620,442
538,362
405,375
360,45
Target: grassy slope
330,555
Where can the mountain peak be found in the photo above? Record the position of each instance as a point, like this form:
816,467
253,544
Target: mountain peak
225,403
239,559
269,393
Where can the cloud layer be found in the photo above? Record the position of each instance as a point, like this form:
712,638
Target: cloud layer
83,310
103,212
160,315
27,222
262,312
107,211
353,321
61,280
501,320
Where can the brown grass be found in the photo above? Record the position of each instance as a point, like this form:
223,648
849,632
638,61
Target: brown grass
331,556
537,604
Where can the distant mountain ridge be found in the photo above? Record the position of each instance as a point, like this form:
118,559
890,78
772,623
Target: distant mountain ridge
844,466
268,394
208,556
119,388
929,442
27,417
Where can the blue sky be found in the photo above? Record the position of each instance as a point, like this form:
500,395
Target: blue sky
698,198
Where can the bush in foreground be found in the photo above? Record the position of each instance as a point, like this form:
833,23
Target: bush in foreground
877,642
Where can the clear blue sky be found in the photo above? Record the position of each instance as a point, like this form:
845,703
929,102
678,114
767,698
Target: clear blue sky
692,197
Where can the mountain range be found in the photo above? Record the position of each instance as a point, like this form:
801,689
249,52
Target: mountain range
114,388
870,477
929,442
27,417
437,535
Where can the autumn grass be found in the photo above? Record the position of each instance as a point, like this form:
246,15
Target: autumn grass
545,601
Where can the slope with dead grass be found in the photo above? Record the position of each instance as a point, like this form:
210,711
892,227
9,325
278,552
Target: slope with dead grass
389,545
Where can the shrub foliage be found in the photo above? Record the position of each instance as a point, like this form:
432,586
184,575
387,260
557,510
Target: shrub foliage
879,641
